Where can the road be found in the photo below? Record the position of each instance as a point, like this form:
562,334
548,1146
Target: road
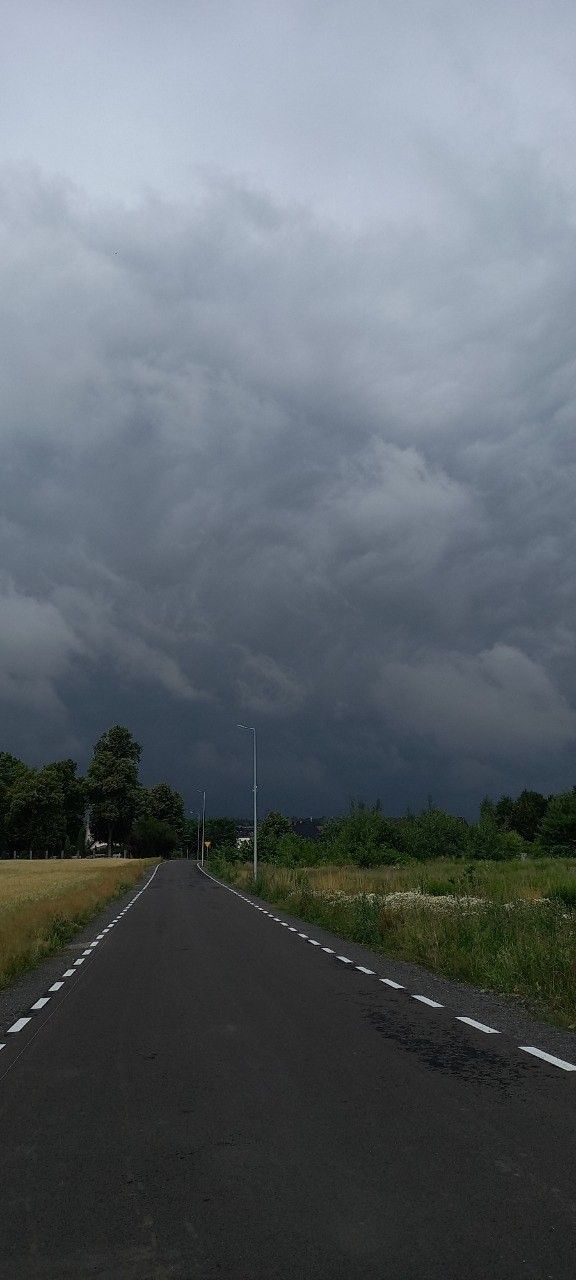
211,1095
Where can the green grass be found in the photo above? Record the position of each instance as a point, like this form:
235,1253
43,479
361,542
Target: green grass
514,942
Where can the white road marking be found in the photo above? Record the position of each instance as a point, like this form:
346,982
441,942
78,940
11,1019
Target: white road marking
77,962
40,1003
86,952
425,1000
292,928
328,950
313,942
548,1057
344,959
284,924
480,1026
68,973
2,1046
389,983
302,935
17,1026
361,969
56,986
101,935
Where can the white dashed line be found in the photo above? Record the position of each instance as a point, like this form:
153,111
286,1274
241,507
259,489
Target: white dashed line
2,1046
40,1003
389,982
480,1026
86,952
548,1057
56,986
68,973
17,1026
77,962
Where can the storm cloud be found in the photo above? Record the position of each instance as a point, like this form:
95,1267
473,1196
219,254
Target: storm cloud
281,452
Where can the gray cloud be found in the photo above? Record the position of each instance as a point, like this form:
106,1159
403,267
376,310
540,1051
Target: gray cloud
262,457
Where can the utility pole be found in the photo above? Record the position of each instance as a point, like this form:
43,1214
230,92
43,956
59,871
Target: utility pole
252,730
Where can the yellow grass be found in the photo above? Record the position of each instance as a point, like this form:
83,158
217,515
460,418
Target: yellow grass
43,903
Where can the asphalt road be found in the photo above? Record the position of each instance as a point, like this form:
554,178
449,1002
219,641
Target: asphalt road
211,1095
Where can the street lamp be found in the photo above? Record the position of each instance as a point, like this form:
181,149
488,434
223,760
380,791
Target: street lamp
251,729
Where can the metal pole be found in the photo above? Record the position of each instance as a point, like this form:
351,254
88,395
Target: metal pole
203,818
255,812
198,839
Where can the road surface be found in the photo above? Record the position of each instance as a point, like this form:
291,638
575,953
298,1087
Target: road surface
209,1094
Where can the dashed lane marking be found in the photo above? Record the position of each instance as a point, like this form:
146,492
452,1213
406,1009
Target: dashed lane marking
68,973
17,1026
548,1057
479,1026
56,986
40,1003
396,986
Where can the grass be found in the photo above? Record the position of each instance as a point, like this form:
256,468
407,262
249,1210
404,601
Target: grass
509,927
44,903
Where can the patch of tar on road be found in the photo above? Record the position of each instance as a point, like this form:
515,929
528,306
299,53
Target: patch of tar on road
446,1049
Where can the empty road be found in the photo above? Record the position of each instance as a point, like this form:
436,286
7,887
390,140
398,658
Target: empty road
209,1094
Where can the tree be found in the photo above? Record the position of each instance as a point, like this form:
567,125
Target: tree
274,826
220,832
527,813
112,784
557,828
10,770
152,838
36,816
73,792
166,805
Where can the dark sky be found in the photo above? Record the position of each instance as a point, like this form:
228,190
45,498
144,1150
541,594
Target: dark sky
288,388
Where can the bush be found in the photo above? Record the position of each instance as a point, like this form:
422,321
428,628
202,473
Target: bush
435,834
487,840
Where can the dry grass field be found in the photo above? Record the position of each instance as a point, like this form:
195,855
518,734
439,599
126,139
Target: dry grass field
44,903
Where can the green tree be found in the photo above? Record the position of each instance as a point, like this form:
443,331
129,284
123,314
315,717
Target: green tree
72,788
221,832
112,784
36,815
557,828
152,838
363,836
10,770
435,834
274,826
166,805
527,813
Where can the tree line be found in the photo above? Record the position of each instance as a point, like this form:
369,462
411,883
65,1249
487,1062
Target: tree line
531,825
53,811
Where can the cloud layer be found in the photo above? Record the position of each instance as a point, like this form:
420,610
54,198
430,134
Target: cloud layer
311,472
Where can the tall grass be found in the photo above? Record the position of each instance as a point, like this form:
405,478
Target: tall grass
44,903
521,940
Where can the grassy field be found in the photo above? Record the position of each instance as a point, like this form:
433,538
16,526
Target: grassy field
505,926
44,903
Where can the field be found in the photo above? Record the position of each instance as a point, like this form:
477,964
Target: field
44,903
505,926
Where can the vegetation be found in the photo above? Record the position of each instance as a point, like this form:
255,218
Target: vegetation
508,926
43,904
51,811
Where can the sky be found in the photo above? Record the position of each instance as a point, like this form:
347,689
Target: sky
288,394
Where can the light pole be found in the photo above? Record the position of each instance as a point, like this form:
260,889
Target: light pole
198,854
251,729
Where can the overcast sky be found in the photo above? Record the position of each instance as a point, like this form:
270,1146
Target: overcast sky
288,393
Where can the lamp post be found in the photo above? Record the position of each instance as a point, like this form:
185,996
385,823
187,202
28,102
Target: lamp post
251,729
200,856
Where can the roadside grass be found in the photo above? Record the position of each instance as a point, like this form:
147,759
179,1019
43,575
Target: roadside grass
43,904
519,939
